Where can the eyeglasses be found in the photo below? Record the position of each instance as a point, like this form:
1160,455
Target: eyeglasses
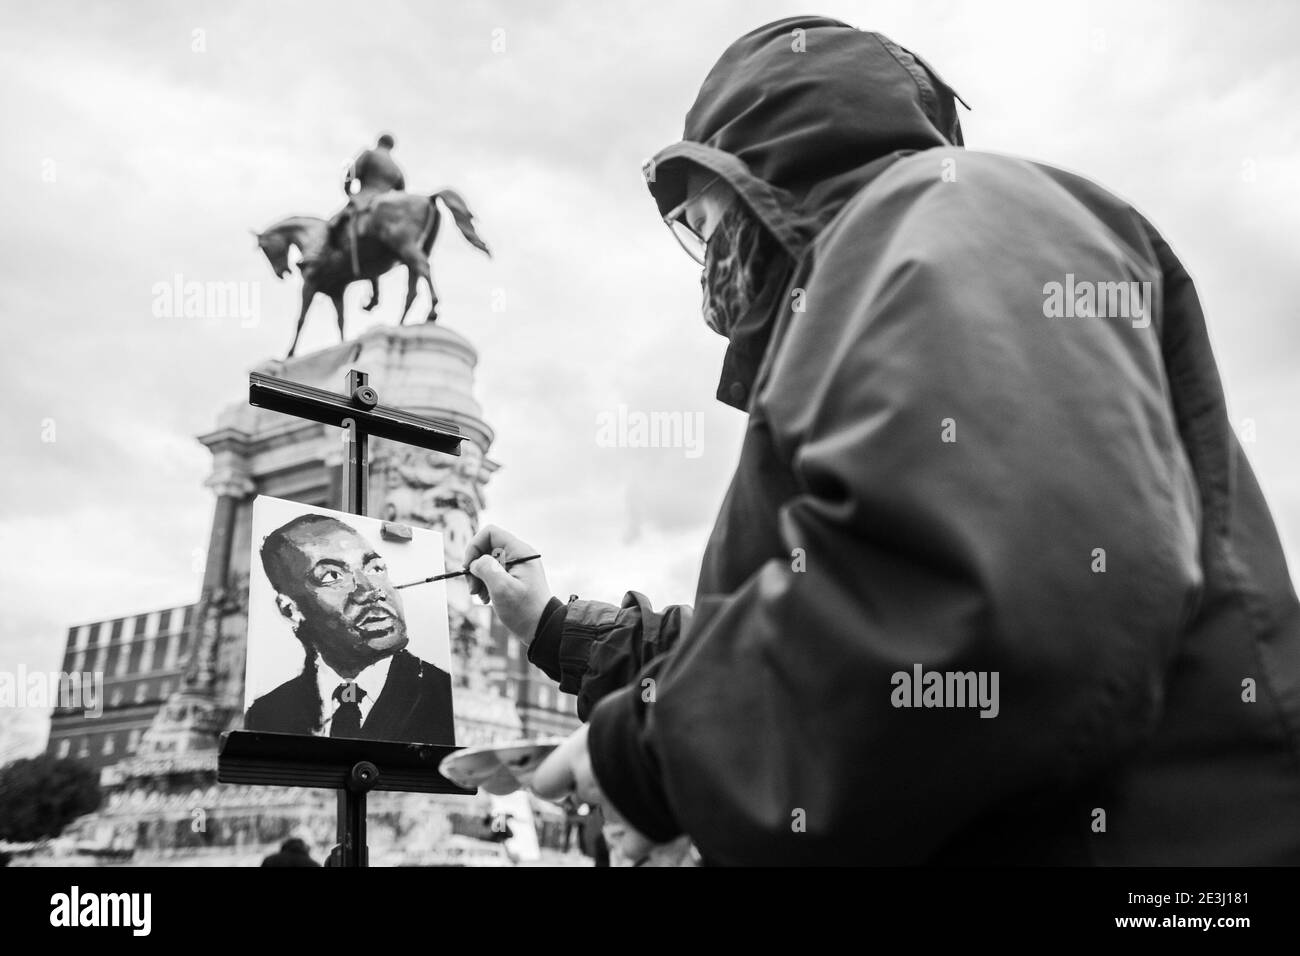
687,237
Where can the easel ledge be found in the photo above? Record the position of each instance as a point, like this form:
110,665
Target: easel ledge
291,760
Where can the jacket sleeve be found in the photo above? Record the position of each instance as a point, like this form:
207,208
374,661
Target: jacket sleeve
592,648
980,494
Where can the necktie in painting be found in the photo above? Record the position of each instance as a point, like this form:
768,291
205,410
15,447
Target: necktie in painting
347,717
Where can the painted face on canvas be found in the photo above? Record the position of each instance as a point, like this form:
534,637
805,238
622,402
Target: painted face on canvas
347,608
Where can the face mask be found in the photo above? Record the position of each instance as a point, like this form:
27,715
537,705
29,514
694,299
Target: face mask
707,308
743,274
725,284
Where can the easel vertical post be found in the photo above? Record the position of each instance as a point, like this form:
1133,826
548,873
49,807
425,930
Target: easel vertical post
356,495
356,461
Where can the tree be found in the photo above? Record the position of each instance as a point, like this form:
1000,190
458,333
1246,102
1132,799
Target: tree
39,796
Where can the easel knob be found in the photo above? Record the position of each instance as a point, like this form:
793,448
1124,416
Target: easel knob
363,777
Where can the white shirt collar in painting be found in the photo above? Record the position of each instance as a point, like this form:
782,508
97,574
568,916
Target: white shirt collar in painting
371,680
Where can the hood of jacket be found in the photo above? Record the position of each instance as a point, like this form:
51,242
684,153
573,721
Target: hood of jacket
798,116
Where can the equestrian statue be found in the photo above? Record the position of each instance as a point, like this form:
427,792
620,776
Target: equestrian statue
382,226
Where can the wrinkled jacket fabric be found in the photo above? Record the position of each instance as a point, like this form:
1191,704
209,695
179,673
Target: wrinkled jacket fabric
936,472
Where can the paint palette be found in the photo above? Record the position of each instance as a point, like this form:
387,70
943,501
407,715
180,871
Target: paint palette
498,768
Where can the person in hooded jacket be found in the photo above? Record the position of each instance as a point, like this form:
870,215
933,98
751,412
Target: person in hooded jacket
947,469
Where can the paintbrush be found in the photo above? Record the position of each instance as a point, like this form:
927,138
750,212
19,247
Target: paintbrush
455,574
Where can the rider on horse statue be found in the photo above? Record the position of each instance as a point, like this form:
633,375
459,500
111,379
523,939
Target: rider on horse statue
374,172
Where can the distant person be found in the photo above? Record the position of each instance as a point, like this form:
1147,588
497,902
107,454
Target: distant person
358,679
501,833
574,816
592,837
293,852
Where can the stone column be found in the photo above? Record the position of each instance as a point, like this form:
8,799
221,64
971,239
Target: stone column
231,483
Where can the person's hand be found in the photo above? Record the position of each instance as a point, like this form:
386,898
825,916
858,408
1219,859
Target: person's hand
520,593
568,771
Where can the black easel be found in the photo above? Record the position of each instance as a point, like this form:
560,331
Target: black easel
353,767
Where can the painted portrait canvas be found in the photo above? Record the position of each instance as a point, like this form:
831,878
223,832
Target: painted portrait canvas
335,647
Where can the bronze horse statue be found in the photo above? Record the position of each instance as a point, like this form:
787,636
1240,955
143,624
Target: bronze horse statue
397,228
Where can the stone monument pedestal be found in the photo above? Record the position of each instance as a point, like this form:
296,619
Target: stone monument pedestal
165,799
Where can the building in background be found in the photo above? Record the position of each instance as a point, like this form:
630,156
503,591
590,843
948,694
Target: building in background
543,710
142,659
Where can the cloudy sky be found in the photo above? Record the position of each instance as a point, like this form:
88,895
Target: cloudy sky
144,139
